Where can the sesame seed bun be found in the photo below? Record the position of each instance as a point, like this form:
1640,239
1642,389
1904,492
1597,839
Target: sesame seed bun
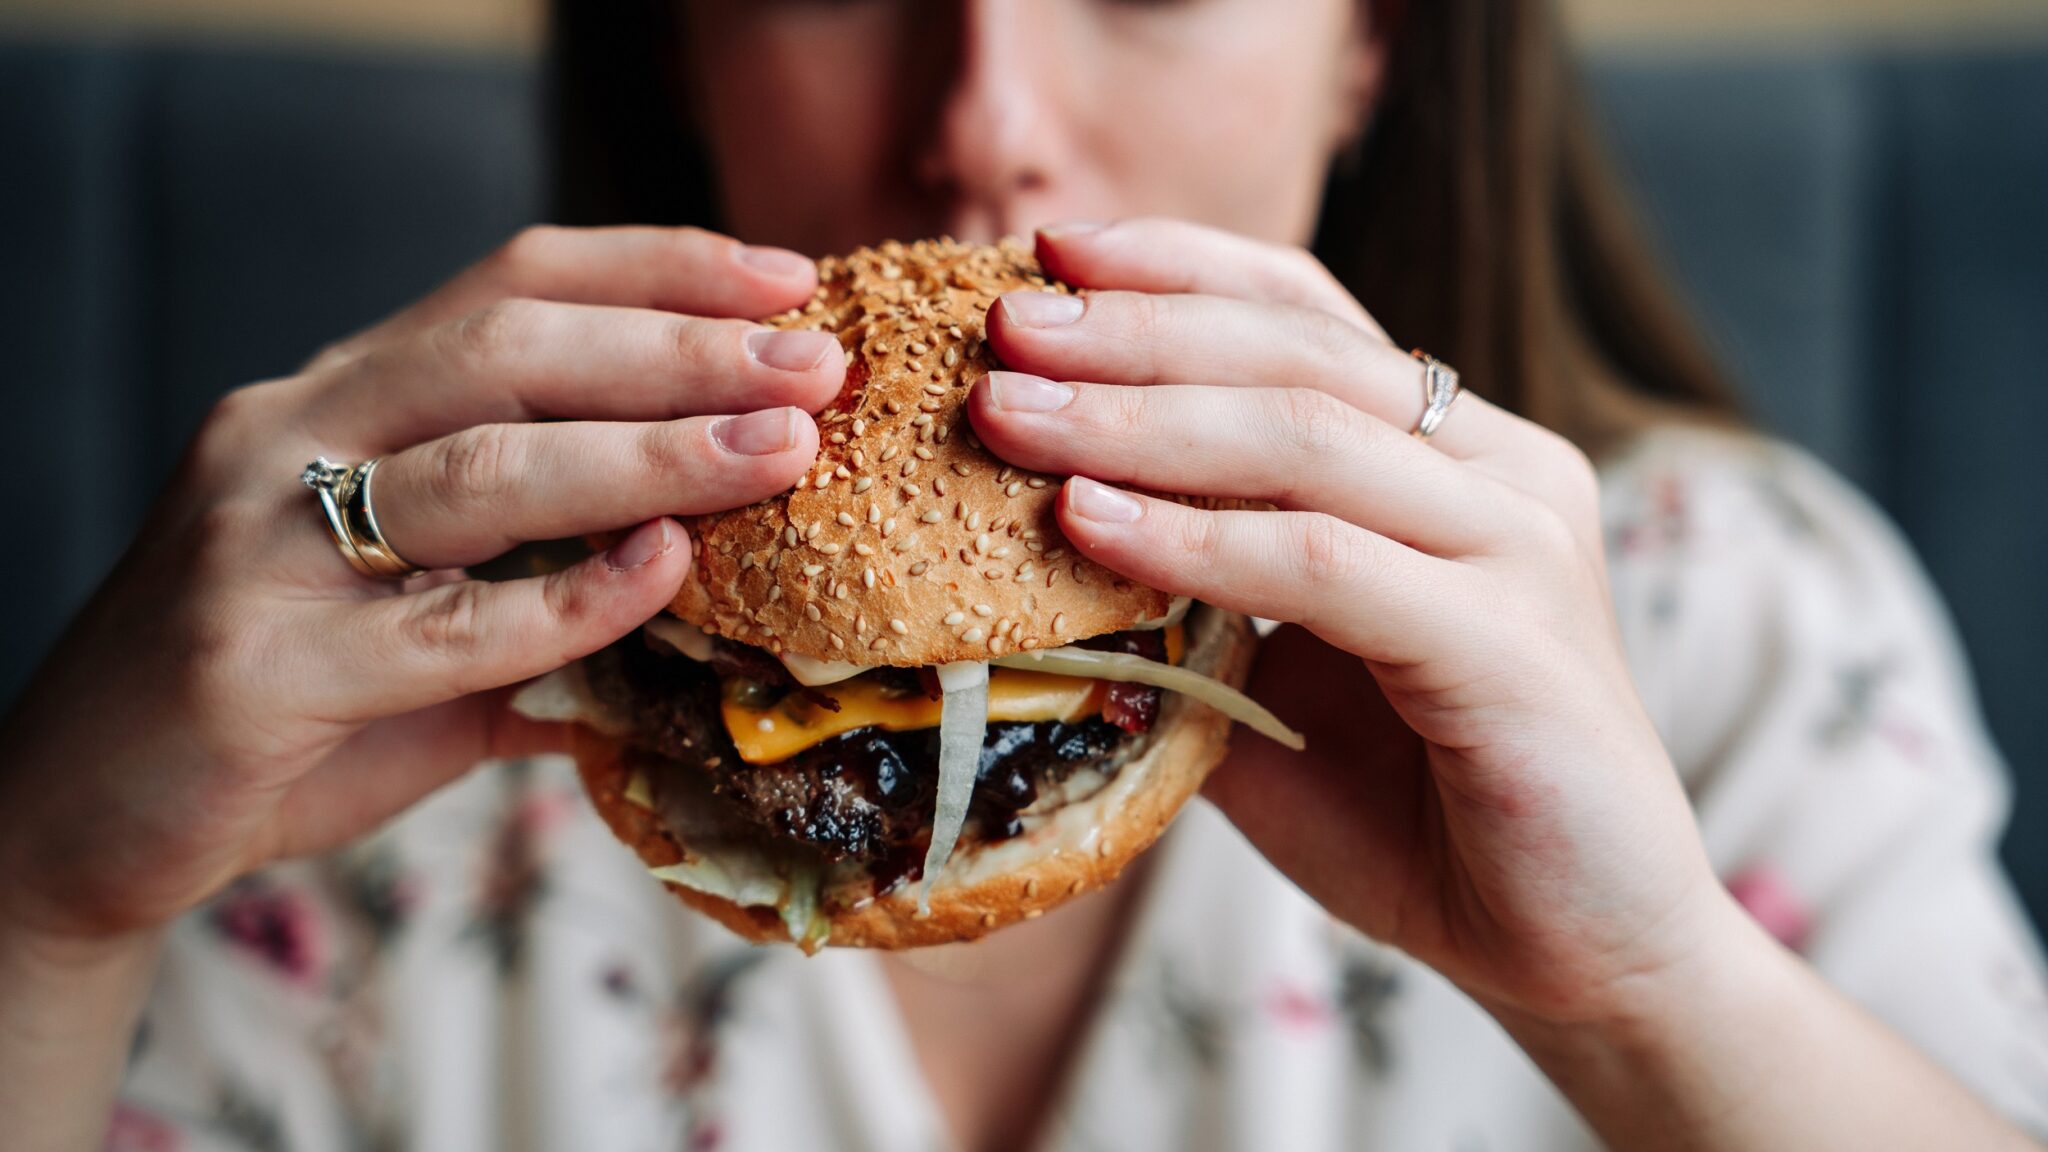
907,544
1066,850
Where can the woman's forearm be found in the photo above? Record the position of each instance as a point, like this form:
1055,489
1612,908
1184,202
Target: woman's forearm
1747,1049
68,1009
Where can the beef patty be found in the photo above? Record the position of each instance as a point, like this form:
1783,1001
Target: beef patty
864,795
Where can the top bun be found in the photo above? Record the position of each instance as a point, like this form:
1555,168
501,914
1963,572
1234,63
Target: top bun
907,544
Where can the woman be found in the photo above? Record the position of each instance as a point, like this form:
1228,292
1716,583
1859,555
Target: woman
1494,921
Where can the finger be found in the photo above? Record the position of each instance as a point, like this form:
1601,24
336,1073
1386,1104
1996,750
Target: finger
1294,447
1358,590
468,497
398,654
1162,256
669,269
523,359
1134,338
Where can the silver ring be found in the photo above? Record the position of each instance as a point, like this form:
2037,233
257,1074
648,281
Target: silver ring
1440,390
344,493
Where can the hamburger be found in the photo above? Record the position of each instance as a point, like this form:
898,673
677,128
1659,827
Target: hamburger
893,707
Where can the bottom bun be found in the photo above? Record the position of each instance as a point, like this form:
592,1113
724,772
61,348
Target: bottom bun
1081,845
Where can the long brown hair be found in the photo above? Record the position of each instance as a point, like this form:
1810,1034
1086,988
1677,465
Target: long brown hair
1479,216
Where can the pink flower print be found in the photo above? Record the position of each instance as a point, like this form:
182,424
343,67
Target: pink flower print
1297,1009
1772,902
278,926
133,1130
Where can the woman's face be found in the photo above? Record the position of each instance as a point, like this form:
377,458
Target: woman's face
834,123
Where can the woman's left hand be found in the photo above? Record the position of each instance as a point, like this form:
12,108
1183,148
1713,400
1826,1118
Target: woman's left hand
1482,787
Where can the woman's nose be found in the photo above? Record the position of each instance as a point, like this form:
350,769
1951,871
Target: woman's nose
995,154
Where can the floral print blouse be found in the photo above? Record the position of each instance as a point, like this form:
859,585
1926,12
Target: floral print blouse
492,971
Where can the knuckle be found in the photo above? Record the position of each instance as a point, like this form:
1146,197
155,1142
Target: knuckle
450,624
567,601
480,463
1325,336
667,451
1329,554
238,418
1198,537
1124,412
494,332
1315,424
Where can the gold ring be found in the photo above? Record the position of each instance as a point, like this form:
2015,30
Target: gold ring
1440,389
352,520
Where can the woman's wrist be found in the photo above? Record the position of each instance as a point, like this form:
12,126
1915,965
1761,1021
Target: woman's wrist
68,1008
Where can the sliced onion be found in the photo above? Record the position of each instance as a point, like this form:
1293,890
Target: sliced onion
564,696
1175,613
1138,670
963,725
813,673
681,635
800,905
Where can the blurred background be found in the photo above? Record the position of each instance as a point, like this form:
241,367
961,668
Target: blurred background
196,194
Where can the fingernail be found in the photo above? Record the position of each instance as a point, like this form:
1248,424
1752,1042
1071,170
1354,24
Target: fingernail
1101,503
1042,309
1072,229
792,351
757,433
775,261
1017,392
641,545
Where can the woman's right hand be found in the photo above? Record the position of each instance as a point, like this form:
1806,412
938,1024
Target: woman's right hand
237,694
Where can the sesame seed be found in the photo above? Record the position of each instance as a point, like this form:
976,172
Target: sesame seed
863,549
999,553
860,427
889,453
914,366
952,357
789,535
1025,572
928,406
971,636
942,433
1031,533
992,574
863,484
867,579
1051,576
918,348
874,513
910,467
813,569
775,594
824,478
838,438
912,491
747,561
924,419
959,509
974,522
920,568
932,516
921,452
984,611
860,458
1003,477
939,485
1035,482
996,644
841,592
1059,622
767,631
935,389
1013,488
714,761
860,624
842,473
981,541
811,533
1055,554
953,619
829,548
811,610
846,520
955,332
988,919
836,642
888,526
899,627
892,407
878,643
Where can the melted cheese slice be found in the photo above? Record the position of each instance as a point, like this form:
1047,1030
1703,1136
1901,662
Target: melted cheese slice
783,729
787,727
